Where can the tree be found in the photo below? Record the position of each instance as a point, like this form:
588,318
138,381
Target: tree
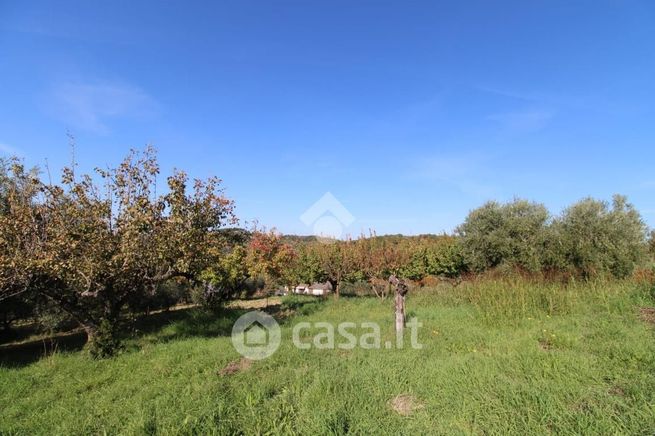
512,233
19,229
308,267
435,256
337,260
269,257
92,249
596,239
376,258
227,278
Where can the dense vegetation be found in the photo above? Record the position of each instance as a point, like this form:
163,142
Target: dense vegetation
98,250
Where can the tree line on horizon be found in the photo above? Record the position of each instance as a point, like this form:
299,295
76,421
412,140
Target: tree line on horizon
98,251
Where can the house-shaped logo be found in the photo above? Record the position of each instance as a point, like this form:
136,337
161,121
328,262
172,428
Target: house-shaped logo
327,217
256,335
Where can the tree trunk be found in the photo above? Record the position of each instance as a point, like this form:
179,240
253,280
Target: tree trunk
6,323
90,330
400,312
401,291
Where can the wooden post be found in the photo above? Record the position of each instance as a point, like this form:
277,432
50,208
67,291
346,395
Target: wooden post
400,312
401,291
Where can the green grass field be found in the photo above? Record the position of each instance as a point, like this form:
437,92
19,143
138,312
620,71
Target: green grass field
497,358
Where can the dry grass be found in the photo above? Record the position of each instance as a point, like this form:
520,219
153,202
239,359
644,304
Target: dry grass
260,303
405,404
647,314
236,366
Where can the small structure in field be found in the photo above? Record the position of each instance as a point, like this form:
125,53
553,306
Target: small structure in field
313,289
301,288
320,288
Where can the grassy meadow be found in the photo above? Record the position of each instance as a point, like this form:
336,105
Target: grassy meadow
498,357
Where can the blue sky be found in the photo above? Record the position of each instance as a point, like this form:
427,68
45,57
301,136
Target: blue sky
409,113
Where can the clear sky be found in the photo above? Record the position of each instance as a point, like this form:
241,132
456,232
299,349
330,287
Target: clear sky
410,113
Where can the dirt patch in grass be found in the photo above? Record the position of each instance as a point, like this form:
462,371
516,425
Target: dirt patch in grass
405,404
259,303
545,345
280,314
647,314
617,391
235,366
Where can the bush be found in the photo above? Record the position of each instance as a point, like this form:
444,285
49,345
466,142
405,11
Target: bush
208,297
105,343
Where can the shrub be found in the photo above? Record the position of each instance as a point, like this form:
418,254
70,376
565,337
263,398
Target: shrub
105,342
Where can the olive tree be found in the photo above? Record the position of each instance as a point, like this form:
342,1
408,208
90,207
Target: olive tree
512,233
595,238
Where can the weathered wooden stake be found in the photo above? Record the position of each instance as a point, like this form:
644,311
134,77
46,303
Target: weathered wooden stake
401,291
400,312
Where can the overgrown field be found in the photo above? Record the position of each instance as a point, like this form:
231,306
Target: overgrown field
497,358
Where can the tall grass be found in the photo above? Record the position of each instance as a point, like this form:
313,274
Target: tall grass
515,298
